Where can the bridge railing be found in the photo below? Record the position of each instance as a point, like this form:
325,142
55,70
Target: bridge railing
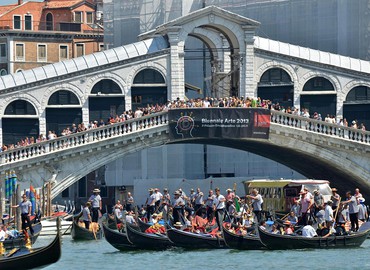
321,127
84,137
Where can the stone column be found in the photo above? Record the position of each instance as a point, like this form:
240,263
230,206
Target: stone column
248,86
85,113
42,123
176,65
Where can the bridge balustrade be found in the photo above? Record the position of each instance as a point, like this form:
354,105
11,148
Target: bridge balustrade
84,138
321,127
137,124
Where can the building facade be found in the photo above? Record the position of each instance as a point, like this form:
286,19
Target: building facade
34,34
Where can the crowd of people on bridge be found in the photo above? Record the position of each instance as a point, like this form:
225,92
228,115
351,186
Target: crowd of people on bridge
227,102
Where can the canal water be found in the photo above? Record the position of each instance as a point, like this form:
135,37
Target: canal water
100,255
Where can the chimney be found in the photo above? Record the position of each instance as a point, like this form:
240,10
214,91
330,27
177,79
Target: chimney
20,2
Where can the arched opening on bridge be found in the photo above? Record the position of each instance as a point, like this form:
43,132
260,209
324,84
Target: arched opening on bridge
63,110
20,121
315,97
357,105
149,87
106,100
276,85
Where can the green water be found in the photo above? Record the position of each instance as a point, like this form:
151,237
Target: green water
100,255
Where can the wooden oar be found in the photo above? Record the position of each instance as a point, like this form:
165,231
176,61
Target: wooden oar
337,210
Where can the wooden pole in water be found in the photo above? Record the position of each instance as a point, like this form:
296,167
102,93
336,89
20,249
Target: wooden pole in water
43,200
18,199
49,199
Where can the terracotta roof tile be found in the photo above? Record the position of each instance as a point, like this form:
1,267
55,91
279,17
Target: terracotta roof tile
62,4
6,8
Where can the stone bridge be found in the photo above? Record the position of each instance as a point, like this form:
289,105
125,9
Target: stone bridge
314,148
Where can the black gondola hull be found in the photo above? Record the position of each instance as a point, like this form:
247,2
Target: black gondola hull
80,233
246,242
275,241
117,239
27,259
147,241
194,241
20,241
142,225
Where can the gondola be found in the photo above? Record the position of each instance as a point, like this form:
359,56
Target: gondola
191,240
143,225
277,241
243,242
81,233
24,258
117,239
19,241
147,241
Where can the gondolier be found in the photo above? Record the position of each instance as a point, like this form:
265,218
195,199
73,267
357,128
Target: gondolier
96,203
25,207
219,207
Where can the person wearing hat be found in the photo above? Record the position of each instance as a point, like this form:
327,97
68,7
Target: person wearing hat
158,198
209,205
198,202
362,213
306,204
318,199
229,198
288,227
192,198
178,204
166,202
150,204
25,206
219,208
329,216
178,225
96,204
129,202
335,198
353,210
257,202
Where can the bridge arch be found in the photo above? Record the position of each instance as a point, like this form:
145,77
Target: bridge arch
274,64
356,103
318,93
31,99
283,90
20,120
78,92
106,100
142,90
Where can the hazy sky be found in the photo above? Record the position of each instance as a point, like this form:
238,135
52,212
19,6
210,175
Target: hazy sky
7,2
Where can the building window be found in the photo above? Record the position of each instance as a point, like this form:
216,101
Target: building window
2,50
19,52
27,22
101,47
78,16
41,53
80,49
63,52
89,17
17,22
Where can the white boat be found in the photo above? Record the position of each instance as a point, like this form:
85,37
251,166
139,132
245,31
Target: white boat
49,227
